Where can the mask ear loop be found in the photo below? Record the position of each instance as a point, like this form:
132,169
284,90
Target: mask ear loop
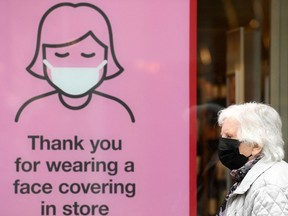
50,66
101,65
254,145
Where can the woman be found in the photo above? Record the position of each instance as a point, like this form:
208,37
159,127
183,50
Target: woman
251,146
75,55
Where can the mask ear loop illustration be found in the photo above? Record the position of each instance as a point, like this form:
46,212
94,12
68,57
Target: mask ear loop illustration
101,65
47,63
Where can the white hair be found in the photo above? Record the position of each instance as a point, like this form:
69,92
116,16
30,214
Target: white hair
259,124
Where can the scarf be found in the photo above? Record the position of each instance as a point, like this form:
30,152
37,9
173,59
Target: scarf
238,175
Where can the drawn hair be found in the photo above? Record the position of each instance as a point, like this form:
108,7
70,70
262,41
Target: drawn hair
73,21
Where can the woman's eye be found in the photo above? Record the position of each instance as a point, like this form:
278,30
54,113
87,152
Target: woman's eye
88,55
226,136
62,55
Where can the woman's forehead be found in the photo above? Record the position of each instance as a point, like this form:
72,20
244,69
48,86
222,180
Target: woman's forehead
230,125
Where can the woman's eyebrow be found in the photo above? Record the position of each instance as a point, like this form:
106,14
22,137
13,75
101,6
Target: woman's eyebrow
61,55
88,55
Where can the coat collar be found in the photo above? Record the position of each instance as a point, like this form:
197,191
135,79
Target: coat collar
260,167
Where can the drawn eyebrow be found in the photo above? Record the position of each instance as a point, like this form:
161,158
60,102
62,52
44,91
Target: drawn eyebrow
62,55
88,55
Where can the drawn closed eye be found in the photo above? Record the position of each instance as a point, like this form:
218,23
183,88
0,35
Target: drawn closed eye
62,55
88,55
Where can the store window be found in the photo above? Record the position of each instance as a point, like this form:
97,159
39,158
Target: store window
233,67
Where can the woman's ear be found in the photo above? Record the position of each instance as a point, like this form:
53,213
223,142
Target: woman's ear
256,149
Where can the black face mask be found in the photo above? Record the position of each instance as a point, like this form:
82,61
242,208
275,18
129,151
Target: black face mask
229,155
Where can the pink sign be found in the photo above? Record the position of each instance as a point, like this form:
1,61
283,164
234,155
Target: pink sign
95,115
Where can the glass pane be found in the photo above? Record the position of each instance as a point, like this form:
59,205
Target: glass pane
230,69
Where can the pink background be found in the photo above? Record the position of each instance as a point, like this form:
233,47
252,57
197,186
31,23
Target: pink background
151,40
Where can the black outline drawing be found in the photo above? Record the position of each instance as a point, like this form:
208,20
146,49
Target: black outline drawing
92,90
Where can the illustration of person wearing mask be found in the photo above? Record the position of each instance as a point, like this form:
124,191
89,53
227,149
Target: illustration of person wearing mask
76,60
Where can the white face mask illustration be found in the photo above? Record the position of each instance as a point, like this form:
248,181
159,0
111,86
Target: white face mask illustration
75,80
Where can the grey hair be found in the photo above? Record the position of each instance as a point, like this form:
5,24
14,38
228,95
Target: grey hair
259,124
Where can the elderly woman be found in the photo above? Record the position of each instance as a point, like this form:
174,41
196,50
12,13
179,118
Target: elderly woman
251,146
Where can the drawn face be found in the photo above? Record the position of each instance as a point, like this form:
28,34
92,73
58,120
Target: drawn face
75,68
